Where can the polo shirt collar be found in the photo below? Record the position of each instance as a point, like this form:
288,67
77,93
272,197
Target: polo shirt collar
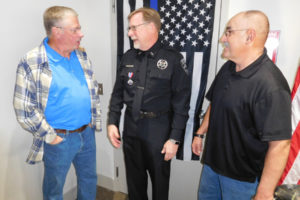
51,53
253,67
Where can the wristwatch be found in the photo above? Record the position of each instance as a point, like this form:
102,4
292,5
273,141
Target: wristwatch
174,141
199,135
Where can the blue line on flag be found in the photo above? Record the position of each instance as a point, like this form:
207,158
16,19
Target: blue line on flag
153,4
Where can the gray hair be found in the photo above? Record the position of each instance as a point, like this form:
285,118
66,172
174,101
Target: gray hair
54,15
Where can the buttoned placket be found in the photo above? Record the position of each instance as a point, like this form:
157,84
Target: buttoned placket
137,101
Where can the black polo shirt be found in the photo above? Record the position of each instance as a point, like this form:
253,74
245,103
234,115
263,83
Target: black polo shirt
249,108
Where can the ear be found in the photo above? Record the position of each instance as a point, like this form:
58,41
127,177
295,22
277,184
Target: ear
153,27
251,34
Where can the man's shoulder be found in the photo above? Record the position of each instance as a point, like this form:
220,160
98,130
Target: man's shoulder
35,51
36,55
171,51
81,53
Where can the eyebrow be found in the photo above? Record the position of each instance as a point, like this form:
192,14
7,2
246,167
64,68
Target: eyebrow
228,27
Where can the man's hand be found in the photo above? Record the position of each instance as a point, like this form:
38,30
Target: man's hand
113,135
57,140
169,150
197,145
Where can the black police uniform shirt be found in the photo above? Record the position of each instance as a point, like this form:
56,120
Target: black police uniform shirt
249,108
167,86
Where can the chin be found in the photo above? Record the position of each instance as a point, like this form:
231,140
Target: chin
136,46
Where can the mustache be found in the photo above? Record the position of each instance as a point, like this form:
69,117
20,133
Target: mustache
225,44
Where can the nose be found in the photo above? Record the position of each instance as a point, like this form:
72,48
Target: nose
223,38
81,35
130,32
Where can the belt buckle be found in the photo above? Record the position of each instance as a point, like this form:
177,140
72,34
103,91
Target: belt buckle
151,114
142,114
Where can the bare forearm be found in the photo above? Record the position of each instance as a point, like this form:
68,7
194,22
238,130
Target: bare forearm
204,125
274,165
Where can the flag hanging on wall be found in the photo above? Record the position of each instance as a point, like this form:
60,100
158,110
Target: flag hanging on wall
187,25
291,174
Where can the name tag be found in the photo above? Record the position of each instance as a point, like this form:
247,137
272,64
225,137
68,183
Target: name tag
128,65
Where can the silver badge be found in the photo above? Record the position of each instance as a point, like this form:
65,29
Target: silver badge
162,64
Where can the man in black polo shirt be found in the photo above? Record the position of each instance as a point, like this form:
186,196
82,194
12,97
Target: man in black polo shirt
248,122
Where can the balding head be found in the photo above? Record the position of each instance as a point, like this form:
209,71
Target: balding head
245,36
258,21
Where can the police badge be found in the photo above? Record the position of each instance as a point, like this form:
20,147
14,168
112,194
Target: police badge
162,64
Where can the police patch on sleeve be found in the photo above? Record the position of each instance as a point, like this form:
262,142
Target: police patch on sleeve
162,64
183,65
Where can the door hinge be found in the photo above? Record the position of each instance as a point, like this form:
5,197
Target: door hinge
117,172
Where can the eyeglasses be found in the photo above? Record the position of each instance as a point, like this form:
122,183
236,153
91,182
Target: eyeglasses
72,30
133,28
230,31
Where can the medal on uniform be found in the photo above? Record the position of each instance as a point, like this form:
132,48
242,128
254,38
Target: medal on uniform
130,81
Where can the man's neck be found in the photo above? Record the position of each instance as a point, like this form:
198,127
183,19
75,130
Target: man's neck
150,43
59,49
249,58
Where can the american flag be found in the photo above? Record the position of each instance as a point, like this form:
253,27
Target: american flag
187,25
291,174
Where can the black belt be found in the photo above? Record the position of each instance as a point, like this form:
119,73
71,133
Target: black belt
144,114
64,131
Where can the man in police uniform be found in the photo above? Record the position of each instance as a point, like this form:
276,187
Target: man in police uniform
153,83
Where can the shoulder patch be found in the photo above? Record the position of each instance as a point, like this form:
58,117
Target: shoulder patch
183,65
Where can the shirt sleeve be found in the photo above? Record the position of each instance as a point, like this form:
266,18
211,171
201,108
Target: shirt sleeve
25,103
116,101
272,116
180,99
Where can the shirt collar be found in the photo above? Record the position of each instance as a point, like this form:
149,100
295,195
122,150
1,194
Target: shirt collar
252,68
52,54
153,50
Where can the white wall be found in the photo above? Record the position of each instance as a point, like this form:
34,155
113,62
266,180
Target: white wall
21,30
283,16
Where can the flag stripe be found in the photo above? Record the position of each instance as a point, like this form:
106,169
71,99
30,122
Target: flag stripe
126,11
296,85
197,72
153,4
120,31
291,174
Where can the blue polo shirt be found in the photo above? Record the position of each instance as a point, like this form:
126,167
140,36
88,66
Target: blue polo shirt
69,103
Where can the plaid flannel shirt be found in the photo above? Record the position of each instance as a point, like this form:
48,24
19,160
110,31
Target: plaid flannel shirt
31,94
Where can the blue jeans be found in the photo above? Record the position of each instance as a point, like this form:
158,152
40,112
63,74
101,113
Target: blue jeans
76,148
216,187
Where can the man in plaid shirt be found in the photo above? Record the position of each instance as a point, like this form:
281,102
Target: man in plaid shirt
56,100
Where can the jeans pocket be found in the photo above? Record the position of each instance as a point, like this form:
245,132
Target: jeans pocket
61,135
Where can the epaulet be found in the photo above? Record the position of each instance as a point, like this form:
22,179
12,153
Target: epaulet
172,49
